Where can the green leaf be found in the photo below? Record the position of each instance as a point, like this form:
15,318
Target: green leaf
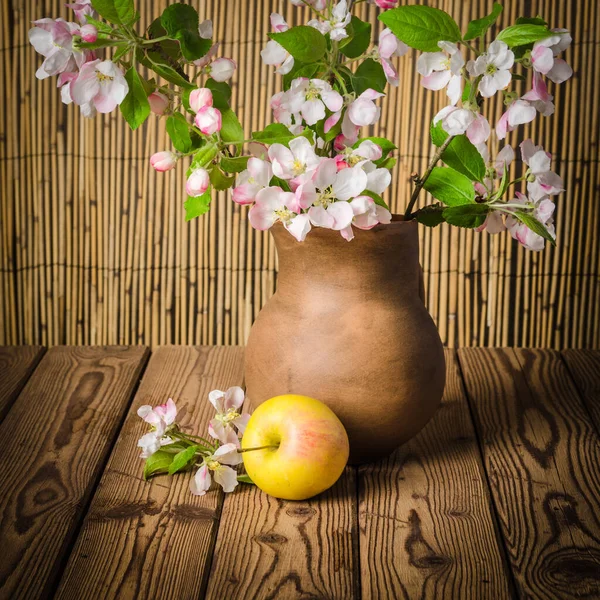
170,48
275,133
369,75
304,43
197,205
431,216
171,75
120,52
532,223
531,21
182,459
135,107
478,27
102,43
158,463
386,163
219,180
179,132
282,183
245,478
376,197
125,10
450,187
231,129
461,154
521,35
181,22
299,70
221,92
467,215
107,9
234,165
361,38
421,27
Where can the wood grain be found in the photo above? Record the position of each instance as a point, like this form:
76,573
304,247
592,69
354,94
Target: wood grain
269,548
53,445
584,366
16,365
426,526
153,539
541,453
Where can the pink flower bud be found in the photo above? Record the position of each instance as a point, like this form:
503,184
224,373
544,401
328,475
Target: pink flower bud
158,103
197,182
385,4
222,69
208,120
163,161
199,98
88,33
339,143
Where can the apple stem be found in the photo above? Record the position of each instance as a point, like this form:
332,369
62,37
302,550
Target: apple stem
257,448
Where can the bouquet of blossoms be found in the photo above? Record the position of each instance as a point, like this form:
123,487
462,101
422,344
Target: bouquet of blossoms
311,167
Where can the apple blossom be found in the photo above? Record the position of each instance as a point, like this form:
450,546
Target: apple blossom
100,83
199,98
493,223
216,463
310,98
271,206
53,39
249,182
456,121
161,418
297,163
336,25
274,53
208,120
318,5
366,150
205,60
82,10
518,112
229,419
378,180
205,29
367,214
198,182
541,181
361,112
440,70
222,69
542,211
390,46
493,67
543,56
539,96
158,103
163,161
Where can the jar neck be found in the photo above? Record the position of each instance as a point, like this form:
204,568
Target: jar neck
376,260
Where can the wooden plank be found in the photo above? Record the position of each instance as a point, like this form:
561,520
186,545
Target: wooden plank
154,539
16,365
541,453
426,526
53,444
271,548
584,366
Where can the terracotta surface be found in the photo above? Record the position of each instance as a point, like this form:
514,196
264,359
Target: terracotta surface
347,326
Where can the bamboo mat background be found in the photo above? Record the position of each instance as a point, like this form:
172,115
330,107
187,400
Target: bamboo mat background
94,248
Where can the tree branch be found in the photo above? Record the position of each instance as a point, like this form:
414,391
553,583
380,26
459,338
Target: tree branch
422,180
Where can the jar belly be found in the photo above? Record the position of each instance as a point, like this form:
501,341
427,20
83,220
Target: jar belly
379,366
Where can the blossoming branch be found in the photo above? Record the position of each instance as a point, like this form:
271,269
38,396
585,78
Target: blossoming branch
310,168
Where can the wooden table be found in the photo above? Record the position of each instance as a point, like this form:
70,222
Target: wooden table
498,497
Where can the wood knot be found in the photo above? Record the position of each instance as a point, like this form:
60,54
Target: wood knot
271,538
300,511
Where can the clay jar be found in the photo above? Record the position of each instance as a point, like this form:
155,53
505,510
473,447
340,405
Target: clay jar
347,325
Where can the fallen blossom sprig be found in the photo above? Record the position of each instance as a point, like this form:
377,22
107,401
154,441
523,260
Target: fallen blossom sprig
311,167
169,449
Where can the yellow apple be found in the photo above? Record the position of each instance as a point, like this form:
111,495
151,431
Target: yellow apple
309,447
